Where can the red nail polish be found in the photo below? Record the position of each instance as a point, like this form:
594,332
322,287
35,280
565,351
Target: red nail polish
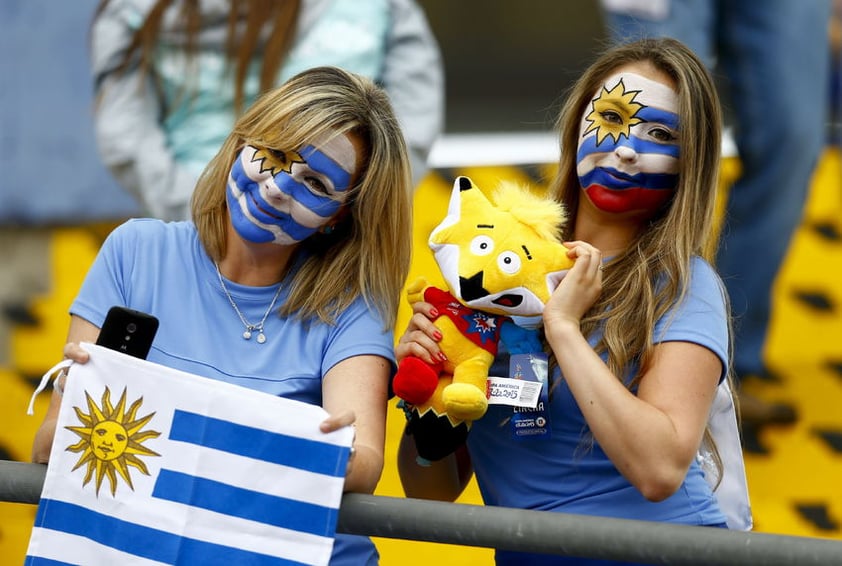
434,313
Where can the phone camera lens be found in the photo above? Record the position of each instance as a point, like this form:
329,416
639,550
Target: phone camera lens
131,327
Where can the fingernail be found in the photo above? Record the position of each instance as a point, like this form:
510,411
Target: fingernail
437,335
442,357
434,313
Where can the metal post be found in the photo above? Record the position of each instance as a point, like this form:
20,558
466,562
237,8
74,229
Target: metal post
21,482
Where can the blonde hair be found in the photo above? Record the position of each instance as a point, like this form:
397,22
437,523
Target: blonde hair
368,253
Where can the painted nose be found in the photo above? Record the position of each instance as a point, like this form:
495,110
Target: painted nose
626,153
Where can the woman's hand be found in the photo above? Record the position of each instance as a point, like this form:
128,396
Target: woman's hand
80,331
421,337
335,422
73,351
579,289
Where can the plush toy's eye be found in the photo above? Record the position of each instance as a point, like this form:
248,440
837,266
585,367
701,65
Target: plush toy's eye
482,245
508,262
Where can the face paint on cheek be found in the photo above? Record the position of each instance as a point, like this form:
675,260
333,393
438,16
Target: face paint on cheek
241,187
264,199
334,171
615,190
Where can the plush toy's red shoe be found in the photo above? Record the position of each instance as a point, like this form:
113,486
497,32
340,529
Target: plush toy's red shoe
416,380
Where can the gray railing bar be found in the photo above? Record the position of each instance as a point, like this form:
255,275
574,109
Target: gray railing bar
531,531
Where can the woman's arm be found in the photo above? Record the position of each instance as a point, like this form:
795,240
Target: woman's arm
80,331
651,437
355,392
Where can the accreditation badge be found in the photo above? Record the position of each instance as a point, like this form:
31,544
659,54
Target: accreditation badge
526,391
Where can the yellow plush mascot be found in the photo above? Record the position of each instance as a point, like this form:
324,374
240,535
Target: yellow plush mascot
500,257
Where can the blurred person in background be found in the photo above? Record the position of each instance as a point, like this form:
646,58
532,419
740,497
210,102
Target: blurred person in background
834,32
171,76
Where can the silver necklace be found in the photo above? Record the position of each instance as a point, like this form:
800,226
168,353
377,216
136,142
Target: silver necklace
250,328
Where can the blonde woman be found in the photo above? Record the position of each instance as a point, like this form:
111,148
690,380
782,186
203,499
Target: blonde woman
638,330
289,280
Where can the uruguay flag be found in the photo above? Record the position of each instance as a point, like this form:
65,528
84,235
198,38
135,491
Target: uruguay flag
152,465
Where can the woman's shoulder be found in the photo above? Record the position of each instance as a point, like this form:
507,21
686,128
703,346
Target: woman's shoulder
360,308
147,226
700,264
152,230
151,242
703,271
700,315
704,281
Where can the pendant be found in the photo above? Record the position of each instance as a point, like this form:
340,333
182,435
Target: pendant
261,338
247,335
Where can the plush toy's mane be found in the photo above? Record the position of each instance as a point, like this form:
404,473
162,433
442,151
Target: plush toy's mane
541,213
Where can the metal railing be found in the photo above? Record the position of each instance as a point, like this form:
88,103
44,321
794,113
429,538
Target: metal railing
530,531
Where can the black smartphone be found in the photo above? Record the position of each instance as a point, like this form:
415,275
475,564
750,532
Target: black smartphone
128,331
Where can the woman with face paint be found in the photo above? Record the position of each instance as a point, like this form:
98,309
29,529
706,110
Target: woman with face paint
637,332
289,277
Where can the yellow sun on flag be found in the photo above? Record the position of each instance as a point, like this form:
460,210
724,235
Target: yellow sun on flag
276,161
111,439
613,113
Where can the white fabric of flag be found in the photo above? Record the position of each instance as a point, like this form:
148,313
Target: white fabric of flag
152,465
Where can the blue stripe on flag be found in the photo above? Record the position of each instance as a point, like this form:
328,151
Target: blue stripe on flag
145,542
299,453
246,504
38,561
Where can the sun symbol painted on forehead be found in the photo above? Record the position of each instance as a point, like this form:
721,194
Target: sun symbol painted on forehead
276,161
614,113
111,440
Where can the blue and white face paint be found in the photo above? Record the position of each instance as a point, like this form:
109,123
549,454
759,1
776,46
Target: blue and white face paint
285,197
628,153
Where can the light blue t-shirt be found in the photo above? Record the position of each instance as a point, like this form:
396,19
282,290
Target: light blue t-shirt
567,473
162,269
